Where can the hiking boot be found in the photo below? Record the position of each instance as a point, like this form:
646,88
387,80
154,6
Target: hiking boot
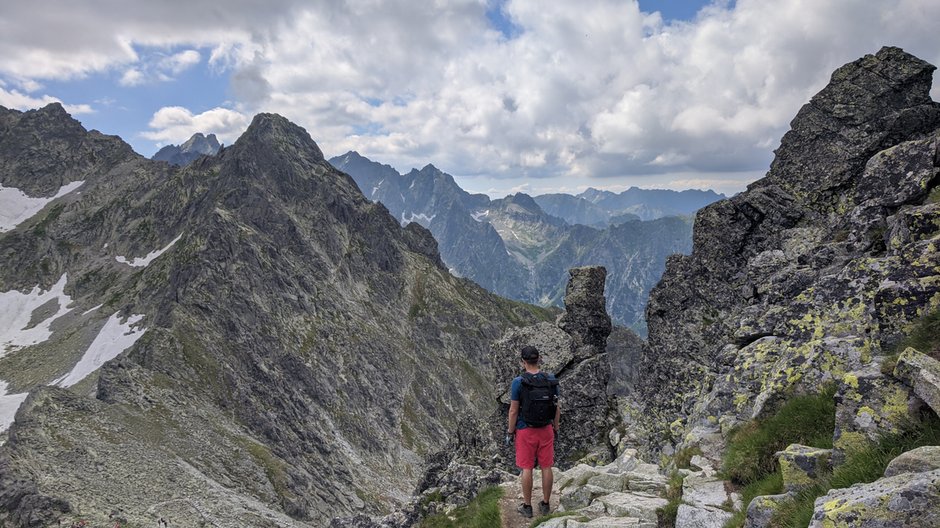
525,510
544,508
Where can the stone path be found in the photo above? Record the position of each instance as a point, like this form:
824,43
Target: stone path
624,493
512,498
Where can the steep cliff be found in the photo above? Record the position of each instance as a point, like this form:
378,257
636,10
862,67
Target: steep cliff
814,272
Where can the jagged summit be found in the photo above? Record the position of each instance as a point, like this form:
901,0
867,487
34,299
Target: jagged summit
869,105
70,153
196,146
273,131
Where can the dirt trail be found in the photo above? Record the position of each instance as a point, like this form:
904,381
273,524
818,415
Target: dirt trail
512,498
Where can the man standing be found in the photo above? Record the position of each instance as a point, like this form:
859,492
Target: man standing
533,419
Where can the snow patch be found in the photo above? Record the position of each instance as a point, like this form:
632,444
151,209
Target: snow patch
405,220
140,262
9,403
16,207
479,216
16,311
88,311
374,190
115,337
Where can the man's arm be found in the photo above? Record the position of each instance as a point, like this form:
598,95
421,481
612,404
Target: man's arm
513,416
557,419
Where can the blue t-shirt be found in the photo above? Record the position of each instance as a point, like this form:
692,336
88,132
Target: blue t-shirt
515,392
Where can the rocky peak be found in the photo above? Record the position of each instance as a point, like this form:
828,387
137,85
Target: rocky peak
272,131
586,319
196,146
69,152
201,143
869,105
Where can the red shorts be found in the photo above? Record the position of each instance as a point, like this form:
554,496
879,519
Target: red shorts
532,443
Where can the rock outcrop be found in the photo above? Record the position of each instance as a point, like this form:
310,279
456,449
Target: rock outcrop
808,276
911,500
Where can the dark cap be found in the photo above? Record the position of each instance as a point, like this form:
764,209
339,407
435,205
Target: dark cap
530,353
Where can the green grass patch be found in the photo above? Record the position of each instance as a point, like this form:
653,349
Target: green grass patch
924,336
807,420
482,512
666,516
683,458
864,466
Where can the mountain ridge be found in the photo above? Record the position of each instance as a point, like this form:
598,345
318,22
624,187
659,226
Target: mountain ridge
511,245
281,318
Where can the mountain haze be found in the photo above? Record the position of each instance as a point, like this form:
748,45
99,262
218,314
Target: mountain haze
512,247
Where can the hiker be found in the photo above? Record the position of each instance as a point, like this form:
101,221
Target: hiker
533,419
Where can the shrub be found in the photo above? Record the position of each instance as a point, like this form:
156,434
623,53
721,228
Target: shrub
667,514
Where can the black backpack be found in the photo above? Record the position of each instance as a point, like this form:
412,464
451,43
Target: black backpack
538,399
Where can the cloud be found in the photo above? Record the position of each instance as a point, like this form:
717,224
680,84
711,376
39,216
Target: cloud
579,91
159,67
21,101
174,124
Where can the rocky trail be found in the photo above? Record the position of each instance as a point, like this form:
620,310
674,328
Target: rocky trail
626,492
512,498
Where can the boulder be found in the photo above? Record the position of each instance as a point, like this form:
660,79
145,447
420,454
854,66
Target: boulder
802,465
703,491
692,517
611,522
869,405
911,500
576,497
922,373
638,505
920,460
762,509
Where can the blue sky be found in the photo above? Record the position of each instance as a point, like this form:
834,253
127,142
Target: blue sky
506,95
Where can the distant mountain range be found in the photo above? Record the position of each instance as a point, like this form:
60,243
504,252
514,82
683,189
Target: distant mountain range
188,152
521,246
600,208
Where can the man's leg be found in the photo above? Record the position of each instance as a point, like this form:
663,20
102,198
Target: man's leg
527,486
547,480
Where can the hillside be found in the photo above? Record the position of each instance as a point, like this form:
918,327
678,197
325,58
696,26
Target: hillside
281,342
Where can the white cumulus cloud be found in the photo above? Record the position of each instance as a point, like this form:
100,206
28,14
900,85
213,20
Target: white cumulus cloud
175,124
580,92
20,101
